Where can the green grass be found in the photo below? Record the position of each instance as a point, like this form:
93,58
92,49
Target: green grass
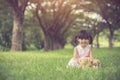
41,65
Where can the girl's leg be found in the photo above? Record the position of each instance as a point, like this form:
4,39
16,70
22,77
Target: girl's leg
73,63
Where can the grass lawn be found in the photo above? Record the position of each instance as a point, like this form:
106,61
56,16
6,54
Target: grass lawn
41,65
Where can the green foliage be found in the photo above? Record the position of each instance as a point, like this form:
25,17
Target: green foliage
32,33
103,38
41,65
117,35
5,26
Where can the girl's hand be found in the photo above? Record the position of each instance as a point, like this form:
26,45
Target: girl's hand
84,60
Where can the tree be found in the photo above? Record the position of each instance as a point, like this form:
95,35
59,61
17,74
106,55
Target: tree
18,9
55,17
110,11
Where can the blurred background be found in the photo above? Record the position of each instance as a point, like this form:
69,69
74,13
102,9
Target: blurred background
52,24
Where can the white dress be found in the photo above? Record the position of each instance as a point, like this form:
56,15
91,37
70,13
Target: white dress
82,52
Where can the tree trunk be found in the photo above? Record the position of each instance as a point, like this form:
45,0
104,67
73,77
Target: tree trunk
111,38
97,41
17,32
53,42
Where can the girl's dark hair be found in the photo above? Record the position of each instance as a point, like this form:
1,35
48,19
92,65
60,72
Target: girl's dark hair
83,34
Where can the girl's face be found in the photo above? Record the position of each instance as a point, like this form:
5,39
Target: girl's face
83,42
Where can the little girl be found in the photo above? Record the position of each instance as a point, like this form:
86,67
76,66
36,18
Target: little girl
83,55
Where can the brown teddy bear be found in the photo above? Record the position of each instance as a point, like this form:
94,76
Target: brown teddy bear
87,62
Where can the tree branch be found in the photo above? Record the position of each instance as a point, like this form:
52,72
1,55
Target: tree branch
39,19
22,4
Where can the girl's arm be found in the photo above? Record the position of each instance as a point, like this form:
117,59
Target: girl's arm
91,53
75,55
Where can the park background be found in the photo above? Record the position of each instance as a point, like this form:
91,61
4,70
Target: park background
36,38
